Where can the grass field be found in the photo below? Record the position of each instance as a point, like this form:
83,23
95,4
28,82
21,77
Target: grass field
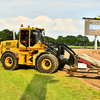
29,84
83,47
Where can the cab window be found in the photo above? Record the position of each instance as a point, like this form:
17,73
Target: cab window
24,39
33,38
36,35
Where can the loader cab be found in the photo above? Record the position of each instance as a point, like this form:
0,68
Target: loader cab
30,36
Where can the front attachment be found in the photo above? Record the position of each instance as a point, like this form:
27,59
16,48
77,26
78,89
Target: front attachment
69,60
91,69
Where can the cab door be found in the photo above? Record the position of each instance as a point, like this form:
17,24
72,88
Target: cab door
24,40
24,45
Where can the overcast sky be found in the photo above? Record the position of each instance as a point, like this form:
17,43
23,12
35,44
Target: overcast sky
58,17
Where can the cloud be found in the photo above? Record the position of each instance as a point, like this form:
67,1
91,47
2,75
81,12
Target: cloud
53,28
70,4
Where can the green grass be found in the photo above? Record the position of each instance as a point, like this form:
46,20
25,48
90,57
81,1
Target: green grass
81,47
29,84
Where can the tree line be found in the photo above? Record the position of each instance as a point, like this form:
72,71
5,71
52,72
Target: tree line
68,40
7,35
71,40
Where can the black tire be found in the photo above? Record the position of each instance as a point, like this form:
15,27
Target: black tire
61,66
47,63
9,61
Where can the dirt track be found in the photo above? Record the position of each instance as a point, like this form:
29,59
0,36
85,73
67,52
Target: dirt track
95,53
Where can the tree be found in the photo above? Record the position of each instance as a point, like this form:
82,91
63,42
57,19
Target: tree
86,40
82,40
60,39
49,39
6,35
70,40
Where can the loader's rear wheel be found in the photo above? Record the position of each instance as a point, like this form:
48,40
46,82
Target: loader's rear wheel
47,63
9,61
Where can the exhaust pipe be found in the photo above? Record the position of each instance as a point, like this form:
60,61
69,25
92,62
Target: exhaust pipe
13,35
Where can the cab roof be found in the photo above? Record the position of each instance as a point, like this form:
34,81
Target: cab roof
30,28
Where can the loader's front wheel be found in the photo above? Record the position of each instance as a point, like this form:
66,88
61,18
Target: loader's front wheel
47,63
9,61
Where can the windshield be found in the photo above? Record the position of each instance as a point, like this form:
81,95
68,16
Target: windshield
36,35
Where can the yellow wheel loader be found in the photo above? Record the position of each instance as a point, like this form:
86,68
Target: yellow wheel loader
30,49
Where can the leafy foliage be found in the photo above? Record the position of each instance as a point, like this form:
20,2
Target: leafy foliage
49,39
71,40
7,35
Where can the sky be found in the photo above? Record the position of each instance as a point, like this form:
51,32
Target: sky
58,17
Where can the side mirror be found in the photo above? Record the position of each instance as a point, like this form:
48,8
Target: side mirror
43,32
